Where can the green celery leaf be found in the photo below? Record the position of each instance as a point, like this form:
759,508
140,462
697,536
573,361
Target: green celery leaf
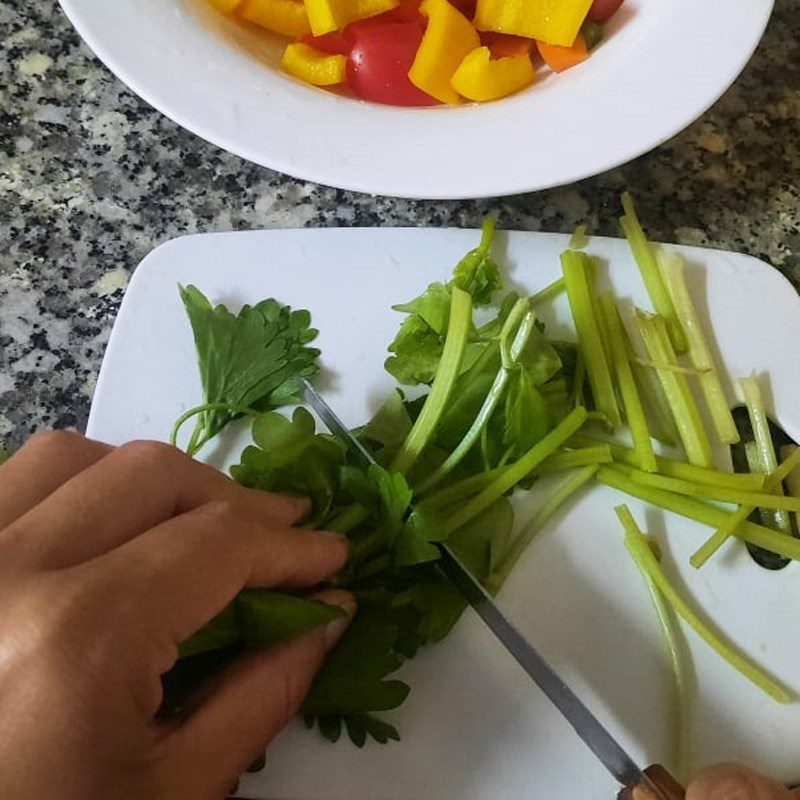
417,349
477,273
540,359
432,307
437,602
222,631
473,542
391,423
527,415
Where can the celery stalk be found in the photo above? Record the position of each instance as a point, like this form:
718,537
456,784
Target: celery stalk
575,267
632,403
720,494
512,474
577,381
651,275
675,648
792,480
648,362
554,501
732,523
705,513
639,549
457,332
672,268
569,459
549,292
676,387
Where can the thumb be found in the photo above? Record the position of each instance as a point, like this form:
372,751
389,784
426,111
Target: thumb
735,782
246,707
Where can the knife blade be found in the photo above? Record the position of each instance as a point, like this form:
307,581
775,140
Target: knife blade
593,733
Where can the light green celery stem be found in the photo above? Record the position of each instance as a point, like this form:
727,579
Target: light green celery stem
577,381
443,382
549,292
570,459
766,450
678,469
512,320
554,387
676,388
729,527
462,490
652,395
645,559
648,362
487,409
651,275
517,471
677,656
718,493
673,271
554,501
579,240
632,403
347,519
702,512
591,275
575,267
792,480
194,443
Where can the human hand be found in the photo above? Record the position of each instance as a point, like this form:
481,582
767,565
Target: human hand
735,782
109,558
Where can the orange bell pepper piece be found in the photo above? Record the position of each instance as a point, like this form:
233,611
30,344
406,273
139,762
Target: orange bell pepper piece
482,78
225,6
550,21
287,17
313,66
333,15
561,58
448,38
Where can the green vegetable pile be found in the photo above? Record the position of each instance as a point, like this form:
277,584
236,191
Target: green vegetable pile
495,403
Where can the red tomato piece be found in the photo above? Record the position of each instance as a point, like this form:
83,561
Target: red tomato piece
506,44
334,43
602,10
379,61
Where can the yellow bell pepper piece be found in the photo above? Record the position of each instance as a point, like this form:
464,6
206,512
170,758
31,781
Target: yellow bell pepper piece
313,66
333,15
550,21
287,17
225,6
446,41
481,78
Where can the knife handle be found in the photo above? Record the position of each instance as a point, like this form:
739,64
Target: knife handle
669,787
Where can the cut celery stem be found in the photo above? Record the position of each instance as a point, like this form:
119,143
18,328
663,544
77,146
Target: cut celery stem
423,429
651,275
554,502
637,546
577,381
461,490
512,474
720,494
673,271
648,362
705,513
570,459
549,292
792,480
347,519
732,523
632,403
574,264
676,388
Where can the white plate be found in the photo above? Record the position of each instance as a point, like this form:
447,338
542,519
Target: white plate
474,726
663,64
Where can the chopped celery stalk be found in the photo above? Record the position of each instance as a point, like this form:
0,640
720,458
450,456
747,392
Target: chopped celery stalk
576,274
618,478
457,332
591,274
747,482
472,436
676,649
792,481
765,460
549,292
720,494
579,239
651,275
459,491
663,425
735,520
569,459
672,268
631,402
554,501
676,388
644,557
512,474
577,381
648,362
554,387
349,518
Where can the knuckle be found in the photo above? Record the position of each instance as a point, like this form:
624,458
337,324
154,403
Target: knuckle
220,513
54,441
150,453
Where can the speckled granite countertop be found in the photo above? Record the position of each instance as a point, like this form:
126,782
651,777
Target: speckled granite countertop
91,179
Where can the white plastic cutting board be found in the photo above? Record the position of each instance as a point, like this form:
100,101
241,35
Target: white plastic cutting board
474,727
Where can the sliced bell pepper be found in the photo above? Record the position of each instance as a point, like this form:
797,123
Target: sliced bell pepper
551,21
504,44
313,66
334,43
447,40
333,15
287,17
481,78
561,58
225,6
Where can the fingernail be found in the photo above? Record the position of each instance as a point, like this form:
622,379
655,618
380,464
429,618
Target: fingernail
335,628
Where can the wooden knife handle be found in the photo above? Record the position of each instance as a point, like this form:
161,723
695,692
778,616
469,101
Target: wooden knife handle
670,788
